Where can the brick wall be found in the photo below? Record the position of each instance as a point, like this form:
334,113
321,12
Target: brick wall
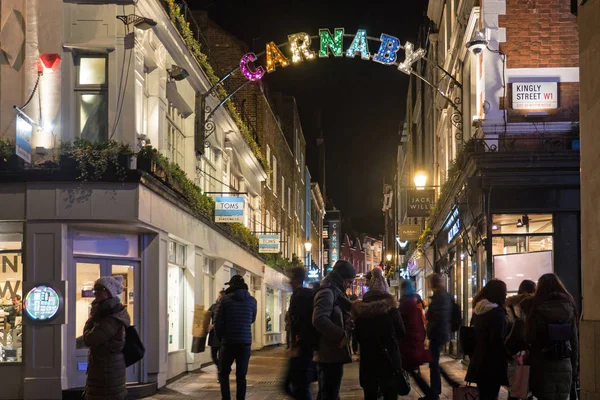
540,34
225,54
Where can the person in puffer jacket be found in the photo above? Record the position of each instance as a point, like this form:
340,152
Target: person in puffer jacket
552,333
233,325
489,363
104,335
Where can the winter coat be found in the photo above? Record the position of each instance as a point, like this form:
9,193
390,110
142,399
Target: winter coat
235,315
412,346
439,316
331,313
378,327
104,334
551,378
489,362
301,308
213,341
515,339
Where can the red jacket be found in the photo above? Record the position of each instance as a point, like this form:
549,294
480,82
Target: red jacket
412,345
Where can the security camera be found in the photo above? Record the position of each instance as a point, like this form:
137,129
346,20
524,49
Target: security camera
478,43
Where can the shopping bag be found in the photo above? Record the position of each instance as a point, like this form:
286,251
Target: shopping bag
520,382
464,393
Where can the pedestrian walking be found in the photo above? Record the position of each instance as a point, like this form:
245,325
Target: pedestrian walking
515,341
489,362
353,339
233,325
332,319
288,332
379,329
412,345
302,370
104,335
213,341
439,320
552,333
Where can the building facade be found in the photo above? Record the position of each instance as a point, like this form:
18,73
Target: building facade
500,150
150,221
589,42
317,217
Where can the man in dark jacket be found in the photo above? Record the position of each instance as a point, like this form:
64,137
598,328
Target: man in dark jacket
333,320
213,341
439,321
233,325
301,370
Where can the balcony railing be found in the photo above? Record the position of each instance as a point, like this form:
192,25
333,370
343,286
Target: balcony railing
523,144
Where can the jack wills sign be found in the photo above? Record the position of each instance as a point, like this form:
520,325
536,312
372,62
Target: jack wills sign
420,202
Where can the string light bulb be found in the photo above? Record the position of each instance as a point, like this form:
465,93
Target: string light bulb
300,45
274,57
329,42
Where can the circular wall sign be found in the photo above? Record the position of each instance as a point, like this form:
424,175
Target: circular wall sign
42,303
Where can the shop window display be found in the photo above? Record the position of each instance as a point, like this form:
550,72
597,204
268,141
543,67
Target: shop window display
11,301
273,310
175,290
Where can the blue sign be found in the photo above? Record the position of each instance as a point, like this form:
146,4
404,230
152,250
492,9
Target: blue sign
23,143
229,209
454,229
268,243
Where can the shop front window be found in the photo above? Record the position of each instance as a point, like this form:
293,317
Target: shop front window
522,247
273,310
11,297
176,290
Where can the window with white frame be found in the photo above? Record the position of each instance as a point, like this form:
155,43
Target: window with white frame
302,213
208,171
289,202
282,192
269,163
296,199
274,224
142,99
91,91
268,221
234,182
175,290
274,172
210,270
175,135
297,208
302,166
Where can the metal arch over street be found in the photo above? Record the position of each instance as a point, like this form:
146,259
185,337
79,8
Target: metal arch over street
300,46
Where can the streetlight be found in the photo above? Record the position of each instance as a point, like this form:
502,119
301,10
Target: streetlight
389,257
420,180
308,248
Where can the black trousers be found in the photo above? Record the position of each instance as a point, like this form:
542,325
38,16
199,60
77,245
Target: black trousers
488,392
240,353
214,354
388,389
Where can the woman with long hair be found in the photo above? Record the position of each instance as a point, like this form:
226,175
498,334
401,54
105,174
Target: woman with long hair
552,333
489,363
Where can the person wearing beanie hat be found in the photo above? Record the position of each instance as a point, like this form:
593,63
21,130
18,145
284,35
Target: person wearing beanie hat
104,335
377,281
332,319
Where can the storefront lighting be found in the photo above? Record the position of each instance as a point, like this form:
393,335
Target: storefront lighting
308,246
494,227
420,180
519,223
389,257
462,256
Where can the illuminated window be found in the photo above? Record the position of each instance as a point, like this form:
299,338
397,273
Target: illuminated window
11,300
92,97
282,192
175,295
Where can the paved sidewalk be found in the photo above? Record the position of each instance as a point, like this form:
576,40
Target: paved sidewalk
265,380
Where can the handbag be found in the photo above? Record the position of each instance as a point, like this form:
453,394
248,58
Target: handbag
519,387
465,393
401,377
134,348
466,337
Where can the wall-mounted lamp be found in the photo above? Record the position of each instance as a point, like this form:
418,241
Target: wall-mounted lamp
49,61
177,73
494,227
139,22
478,42
388,257
308,247
420,180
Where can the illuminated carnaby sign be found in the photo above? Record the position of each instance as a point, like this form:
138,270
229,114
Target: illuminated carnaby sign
299,49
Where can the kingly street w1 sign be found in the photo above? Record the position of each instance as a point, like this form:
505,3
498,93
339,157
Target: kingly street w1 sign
229,209
534,95
268,243
420,202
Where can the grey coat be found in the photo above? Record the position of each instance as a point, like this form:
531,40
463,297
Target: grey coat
331,311
104,334
439,317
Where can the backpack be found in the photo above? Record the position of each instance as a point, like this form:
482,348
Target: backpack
134,348
456,321
313,334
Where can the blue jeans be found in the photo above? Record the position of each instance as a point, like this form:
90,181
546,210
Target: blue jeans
330,380
434,367
240,353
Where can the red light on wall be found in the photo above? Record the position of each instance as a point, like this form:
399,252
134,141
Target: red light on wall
50,61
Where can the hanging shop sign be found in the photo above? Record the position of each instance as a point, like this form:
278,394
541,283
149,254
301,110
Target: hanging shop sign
334,242
534,95
24,133
420,202
314,274
453,231
409,232
229,209
298,48
268,243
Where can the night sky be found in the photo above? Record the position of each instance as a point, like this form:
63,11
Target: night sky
362,102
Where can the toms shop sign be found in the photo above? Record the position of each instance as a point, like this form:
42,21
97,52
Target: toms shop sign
534,95
420,202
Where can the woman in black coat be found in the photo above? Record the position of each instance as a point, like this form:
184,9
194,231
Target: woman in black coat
378,329
213,341
489,363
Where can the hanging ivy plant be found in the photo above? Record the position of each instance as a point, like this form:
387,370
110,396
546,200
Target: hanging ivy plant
7,149
94,160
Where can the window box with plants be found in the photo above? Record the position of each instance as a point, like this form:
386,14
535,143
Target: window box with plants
9,160
96,161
